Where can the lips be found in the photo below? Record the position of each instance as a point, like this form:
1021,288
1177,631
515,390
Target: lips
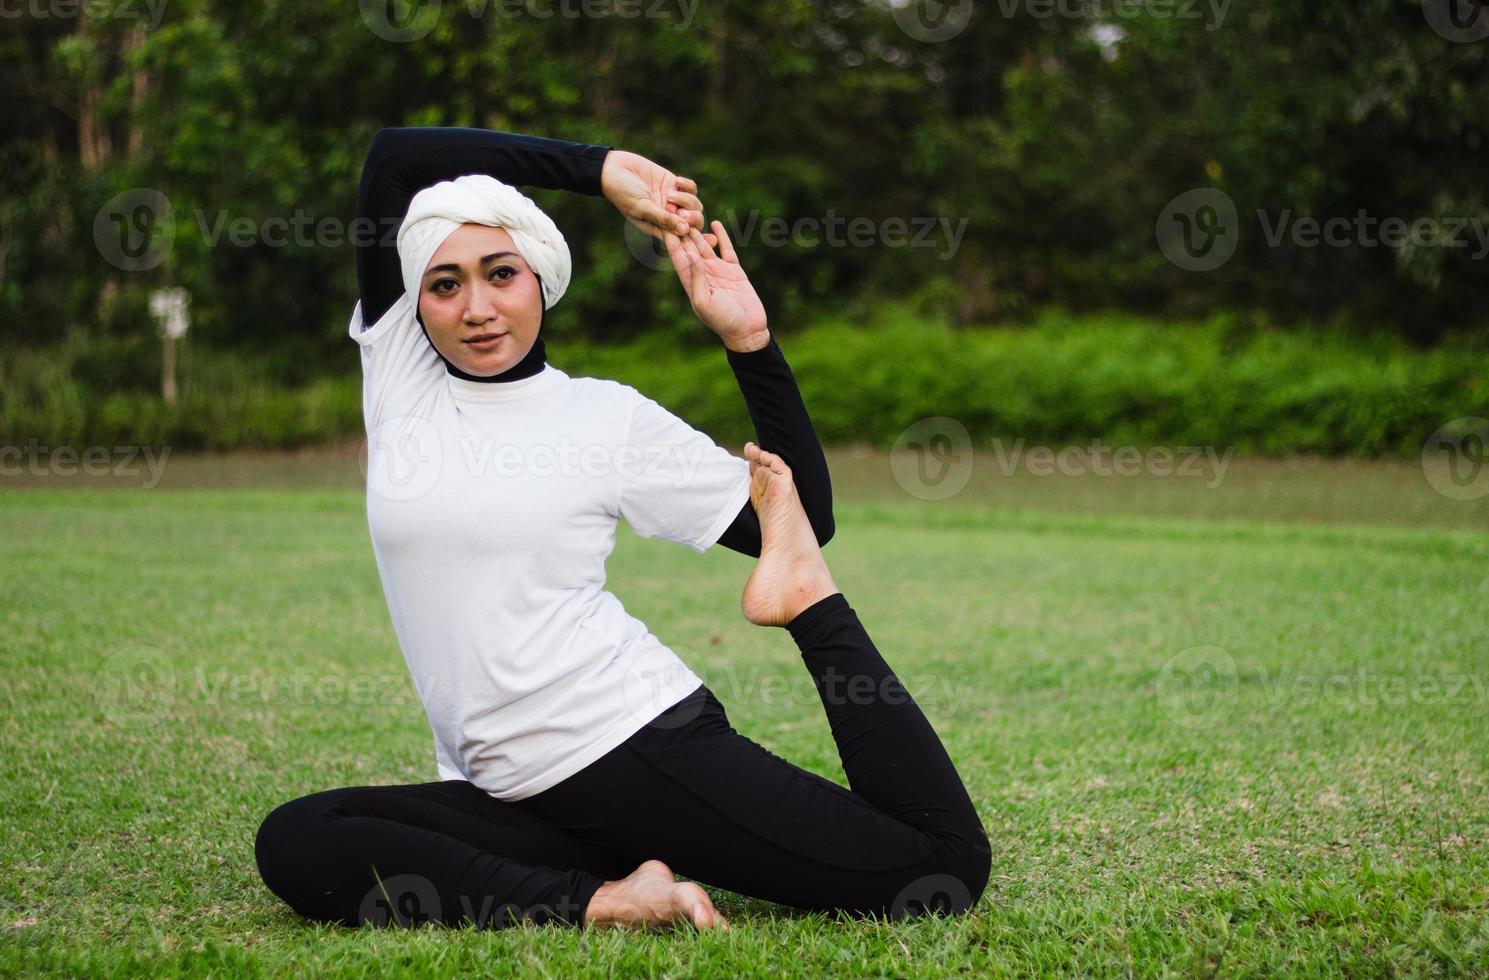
484,341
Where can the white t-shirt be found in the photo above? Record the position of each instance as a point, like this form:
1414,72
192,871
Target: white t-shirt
492,509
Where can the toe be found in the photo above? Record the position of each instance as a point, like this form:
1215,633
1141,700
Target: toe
700,908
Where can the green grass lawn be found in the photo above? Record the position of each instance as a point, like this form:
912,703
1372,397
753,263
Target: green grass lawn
1241,729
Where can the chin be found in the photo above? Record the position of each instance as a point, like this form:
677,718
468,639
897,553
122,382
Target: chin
487,369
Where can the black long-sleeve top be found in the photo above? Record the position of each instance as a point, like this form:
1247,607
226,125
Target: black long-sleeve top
401,162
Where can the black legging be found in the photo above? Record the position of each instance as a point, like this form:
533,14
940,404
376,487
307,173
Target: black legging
686,789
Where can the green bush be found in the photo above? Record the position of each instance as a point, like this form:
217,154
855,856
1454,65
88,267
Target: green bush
1073,380
1066,379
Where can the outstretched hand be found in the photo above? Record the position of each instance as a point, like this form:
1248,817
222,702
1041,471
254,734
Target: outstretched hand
718,288
650,196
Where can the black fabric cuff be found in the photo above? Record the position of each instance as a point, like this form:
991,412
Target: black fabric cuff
753,360
807,624
591,164
584,891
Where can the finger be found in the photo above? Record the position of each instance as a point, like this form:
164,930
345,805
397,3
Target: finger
704,249
680,259
697,277
685,200
693,218
657,216
685,184
712,241
690,242
726,247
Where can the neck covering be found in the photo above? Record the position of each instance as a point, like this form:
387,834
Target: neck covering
436,211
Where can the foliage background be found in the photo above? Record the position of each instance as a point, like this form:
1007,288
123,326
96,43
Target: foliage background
1058,137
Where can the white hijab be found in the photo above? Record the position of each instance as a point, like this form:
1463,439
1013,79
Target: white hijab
438,210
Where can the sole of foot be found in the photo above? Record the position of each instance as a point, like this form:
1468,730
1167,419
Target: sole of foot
791,574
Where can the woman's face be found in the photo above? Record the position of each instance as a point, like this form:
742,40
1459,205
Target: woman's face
480,302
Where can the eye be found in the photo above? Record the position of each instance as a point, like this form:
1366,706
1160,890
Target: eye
503,273
442,287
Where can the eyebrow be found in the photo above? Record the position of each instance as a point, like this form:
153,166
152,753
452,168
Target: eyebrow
452,267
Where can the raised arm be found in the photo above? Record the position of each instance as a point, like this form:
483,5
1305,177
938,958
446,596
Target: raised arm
402,162
725,301
783,427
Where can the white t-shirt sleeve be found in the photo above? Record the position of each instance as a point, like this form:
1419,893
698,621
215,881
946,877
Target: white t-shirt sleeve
675,482
397,360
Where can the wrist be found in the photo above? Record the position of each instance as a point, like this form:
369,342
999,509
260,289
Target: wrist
749,343
613,167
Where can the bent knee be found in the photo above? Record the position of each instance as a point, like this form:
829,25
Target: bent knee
286,839
953,888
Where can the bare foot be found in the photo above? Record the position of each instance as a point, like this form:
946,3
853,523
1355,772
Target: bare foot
791,573
651,896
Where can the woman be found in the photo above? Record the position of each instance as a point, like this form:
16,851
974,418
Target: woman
581,762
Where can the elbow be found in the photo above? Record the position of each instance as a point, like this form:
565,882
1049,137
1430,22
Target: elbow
391,142
383,146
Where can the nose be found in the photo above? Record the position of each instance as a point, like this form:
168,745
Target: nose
480,304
